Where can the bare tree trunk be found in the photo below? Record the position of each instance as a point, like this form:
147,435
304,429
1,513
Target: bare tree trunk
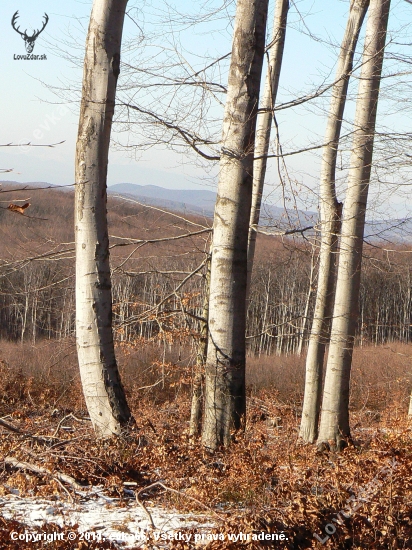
100,378
334,426
225,392
303,329
198,381
264,123
330,215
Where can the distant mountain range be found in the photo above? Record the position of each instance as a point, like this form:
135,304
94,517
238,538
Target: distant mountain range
202,202
194,201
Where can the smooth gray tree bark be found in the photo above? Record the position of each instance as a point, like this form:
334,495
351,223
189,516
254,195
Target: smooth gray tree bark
225,392
264,122
330,216
262,139
303,334
201,355
103,391
334,431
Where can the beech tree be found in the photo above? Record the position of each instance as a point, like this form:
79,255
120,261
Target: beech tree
330,217
264,123
275,56
225,391
103,391
334,426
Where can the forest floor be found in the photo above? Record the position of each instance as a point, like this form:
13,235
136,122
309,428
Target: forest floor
151,488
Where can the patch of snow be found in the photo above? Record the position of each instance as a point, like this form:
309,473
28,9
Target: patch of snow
103,518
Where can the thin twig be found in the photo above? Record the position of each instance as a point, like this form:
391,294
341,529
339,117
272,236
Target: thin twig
29,144
71,415
152,241
160,484
134,201
65,490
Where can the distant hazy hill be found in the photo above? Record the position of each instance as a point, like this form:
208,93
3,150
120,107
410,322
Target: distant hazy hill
199,202
202,202
395,230
196,201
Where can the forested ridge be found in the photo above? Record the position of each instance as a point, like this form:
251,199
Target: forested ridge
37,268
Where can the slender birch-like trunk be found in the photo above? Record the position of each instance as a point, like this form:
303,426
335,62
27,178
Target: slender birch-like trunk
103,391
334,426
330,216
201,355
264,123
225,391
303,329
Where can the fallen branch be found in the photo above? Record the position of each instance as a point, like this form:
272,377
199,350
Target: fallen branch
38,438
43,471
10,427
65,442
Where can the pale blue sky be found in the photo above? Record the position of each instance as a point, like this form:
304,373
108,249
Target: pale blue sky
28,110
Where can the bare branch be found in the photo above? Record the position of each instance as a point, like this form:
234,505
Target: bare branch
134,201
29,144
151,241
300,230
188,137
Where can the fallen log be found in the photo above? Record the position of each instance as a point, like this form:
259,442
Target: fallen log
43,471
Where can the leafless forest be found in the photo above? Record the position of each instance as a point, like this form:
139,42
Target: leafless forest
37,285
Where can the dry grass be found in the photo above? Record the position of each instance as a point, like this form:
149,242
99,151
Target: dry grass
267,481
46,376
381,378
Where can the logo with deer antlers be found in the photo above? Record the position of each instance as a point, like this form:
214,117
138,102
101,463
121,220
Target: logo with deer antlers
29,41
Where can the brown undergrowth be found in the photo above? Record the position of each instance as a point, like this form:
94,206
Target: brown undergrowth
267,481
